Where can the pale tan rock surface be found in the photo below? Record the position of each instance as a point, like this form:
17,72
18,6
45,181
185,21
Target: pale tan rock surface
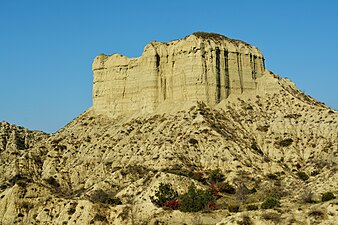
199,67
271,129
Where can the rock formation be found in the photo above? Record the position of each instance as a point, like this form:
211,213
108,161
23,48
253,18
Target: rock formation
266,137
200,67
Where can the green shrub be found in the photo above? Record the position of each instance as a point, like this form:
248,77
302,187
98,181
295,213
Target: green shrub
327,196
216,176
164,194
270,203
195,200
99,196
302,175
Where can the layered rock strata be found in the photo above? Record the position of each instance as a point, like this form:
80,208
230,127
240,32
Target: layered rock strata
200,67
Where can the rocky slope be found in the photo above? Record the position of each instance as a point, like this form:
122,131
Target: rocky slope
264,140
14,143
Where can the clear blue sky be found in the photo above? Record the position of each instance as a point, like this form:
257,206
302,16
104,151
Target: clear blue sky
47,47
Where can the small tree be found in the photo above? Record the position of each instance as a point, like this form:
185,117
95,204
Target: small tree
195,199
164,194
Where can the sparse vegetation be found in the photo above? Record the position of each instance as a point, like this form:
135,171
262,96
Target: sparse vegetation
327,196
165,196
270,203
219,149
195,199
217,37
208,35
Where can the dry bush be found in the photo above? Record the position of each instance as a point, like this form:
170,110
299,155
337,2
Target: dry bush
316,213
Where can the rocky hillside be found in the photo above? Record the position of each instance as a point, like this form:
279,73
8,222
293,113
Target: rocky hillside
266,156
15,141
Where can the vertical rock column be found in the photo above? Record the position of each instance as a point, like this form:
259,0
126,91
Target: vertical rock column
148,80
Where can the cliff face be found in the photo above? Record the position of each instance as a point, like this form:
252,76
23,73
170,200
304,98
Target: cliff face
199,67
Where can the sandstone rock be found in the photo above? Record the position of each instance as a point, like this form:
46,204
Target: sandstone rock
199,67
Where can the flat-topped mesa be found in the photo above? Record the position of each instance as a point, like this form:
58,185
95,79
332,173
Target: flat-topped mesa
201,67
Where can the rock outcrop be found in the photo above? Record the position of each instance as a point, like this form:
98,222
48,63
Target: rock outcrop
200,67
264,137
